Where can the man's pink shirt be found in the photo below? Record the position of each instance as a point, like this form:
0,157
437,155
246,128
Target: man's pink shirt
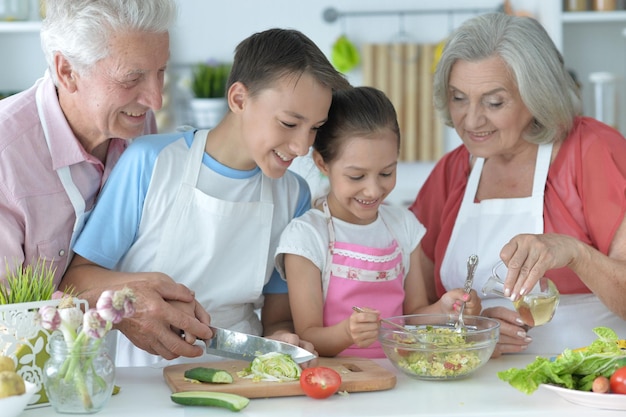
36,215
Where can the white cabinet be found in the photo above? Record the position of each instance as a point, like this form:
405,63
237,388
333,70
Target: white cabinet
22,59
31,26
593,42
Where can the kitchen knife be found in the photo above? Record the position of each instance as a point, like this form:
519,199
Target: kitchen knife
242,346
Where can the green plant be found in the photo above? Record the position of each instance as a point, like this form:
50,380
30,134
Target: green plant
28,283
209,79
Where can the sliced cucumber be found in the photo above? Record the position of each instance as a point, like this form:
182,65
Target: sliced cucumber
232,402
212,375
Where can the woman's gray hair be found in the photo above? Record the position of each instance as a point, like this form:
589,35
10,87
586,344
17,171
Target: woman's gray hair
545,86
80,29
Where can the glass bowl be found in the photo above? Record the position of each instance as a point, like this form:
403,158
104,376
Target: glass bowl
432,349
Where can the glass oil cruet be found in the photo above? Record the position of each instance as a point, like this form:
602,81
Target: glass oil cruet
536,307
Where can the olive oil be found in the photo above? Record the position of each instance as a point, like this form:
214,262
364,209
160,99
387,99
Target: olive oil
536,309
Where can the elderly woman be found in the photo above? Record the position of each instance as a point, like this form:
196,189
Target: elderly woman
534,184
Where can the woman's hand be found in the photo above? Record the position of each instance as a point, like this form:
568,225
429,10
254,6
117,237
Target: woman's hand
528,257
513,336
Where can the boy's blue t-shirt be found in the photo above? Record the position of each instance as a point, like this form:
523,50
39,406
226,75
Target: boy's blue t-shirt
112,226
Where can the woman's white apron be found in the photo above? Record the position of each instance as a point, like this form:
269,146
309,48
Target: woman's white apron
485,227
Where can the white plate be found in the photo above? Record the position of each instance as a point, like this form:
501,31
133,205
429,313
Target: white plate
590,399
13,406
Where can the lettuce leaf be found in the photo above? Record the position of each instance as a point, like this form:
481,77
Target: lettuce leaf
272,366
573,369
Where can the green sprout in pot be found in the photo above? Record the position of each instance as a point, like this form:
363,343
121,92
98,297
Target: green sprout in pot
28,283
209,79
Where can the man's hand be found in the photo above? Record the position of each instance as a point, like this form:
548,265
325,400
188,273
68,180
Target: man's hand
164,310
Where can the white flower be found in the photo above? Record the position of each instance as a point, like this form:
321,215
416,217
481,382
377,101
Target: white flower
49,318
94,325
114,306
72,317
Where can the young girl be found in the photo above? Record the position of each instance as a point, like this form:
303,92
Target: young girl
206,209
350,249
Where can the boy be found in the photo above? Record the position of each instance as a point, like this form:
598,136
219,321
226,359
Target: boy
206,209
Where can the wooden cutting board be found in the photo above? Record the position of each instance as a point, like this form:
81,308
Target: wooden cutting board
357,375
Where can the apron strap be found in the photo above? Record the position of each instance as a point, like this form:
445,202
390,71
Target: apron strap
194,160
544,155
64,174
472,182
331,238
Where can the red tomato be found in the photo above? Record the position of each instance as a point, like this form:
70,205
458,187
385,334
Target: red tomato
618,381
320,382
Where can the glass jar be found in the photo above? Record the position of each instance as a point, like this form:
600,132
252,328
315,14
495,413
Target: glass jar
604,5
575,5
80,379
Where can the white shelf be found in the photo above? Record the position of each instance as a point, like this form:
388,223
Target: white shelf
20,27
591,17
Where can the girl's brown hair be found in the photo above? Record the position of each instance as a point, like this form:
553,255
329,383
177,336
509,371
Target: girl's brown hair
356,111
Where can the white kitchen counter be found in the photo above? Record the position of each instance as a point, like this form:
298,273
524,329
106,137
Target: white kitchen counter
144,392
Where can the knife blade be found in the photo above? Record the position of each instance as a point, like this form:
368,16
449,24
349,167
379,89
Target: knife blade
242,346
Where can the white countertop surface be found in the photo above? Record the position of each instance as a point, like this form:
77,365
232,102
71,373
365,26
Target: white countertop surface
144,392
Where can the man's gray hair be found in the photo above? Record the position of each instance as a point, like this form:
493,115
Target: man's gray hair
80,29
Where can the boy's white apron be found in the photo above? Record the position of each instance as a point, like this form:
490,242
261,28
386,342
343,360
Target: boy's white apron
217,248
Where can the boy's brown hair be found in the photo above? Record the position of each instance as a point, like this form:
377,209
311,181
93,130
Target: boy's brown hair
267,56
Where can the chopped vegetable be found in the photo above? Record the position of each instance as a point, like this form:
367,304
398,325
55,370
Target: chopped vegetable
211,375
440,364
573,369
455,358
272,366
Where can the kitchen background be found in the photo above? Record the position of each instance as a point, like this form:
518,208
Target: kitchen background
591,41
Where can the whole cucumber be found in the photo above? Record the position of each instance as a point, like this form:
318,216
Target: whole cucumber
232,402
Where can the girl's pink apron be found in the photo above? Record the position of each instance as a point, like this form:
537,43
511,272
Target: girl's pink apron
365,277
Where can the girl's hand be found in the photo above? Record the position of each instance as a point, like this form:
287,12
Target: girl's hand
294,339
452,301
363,327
